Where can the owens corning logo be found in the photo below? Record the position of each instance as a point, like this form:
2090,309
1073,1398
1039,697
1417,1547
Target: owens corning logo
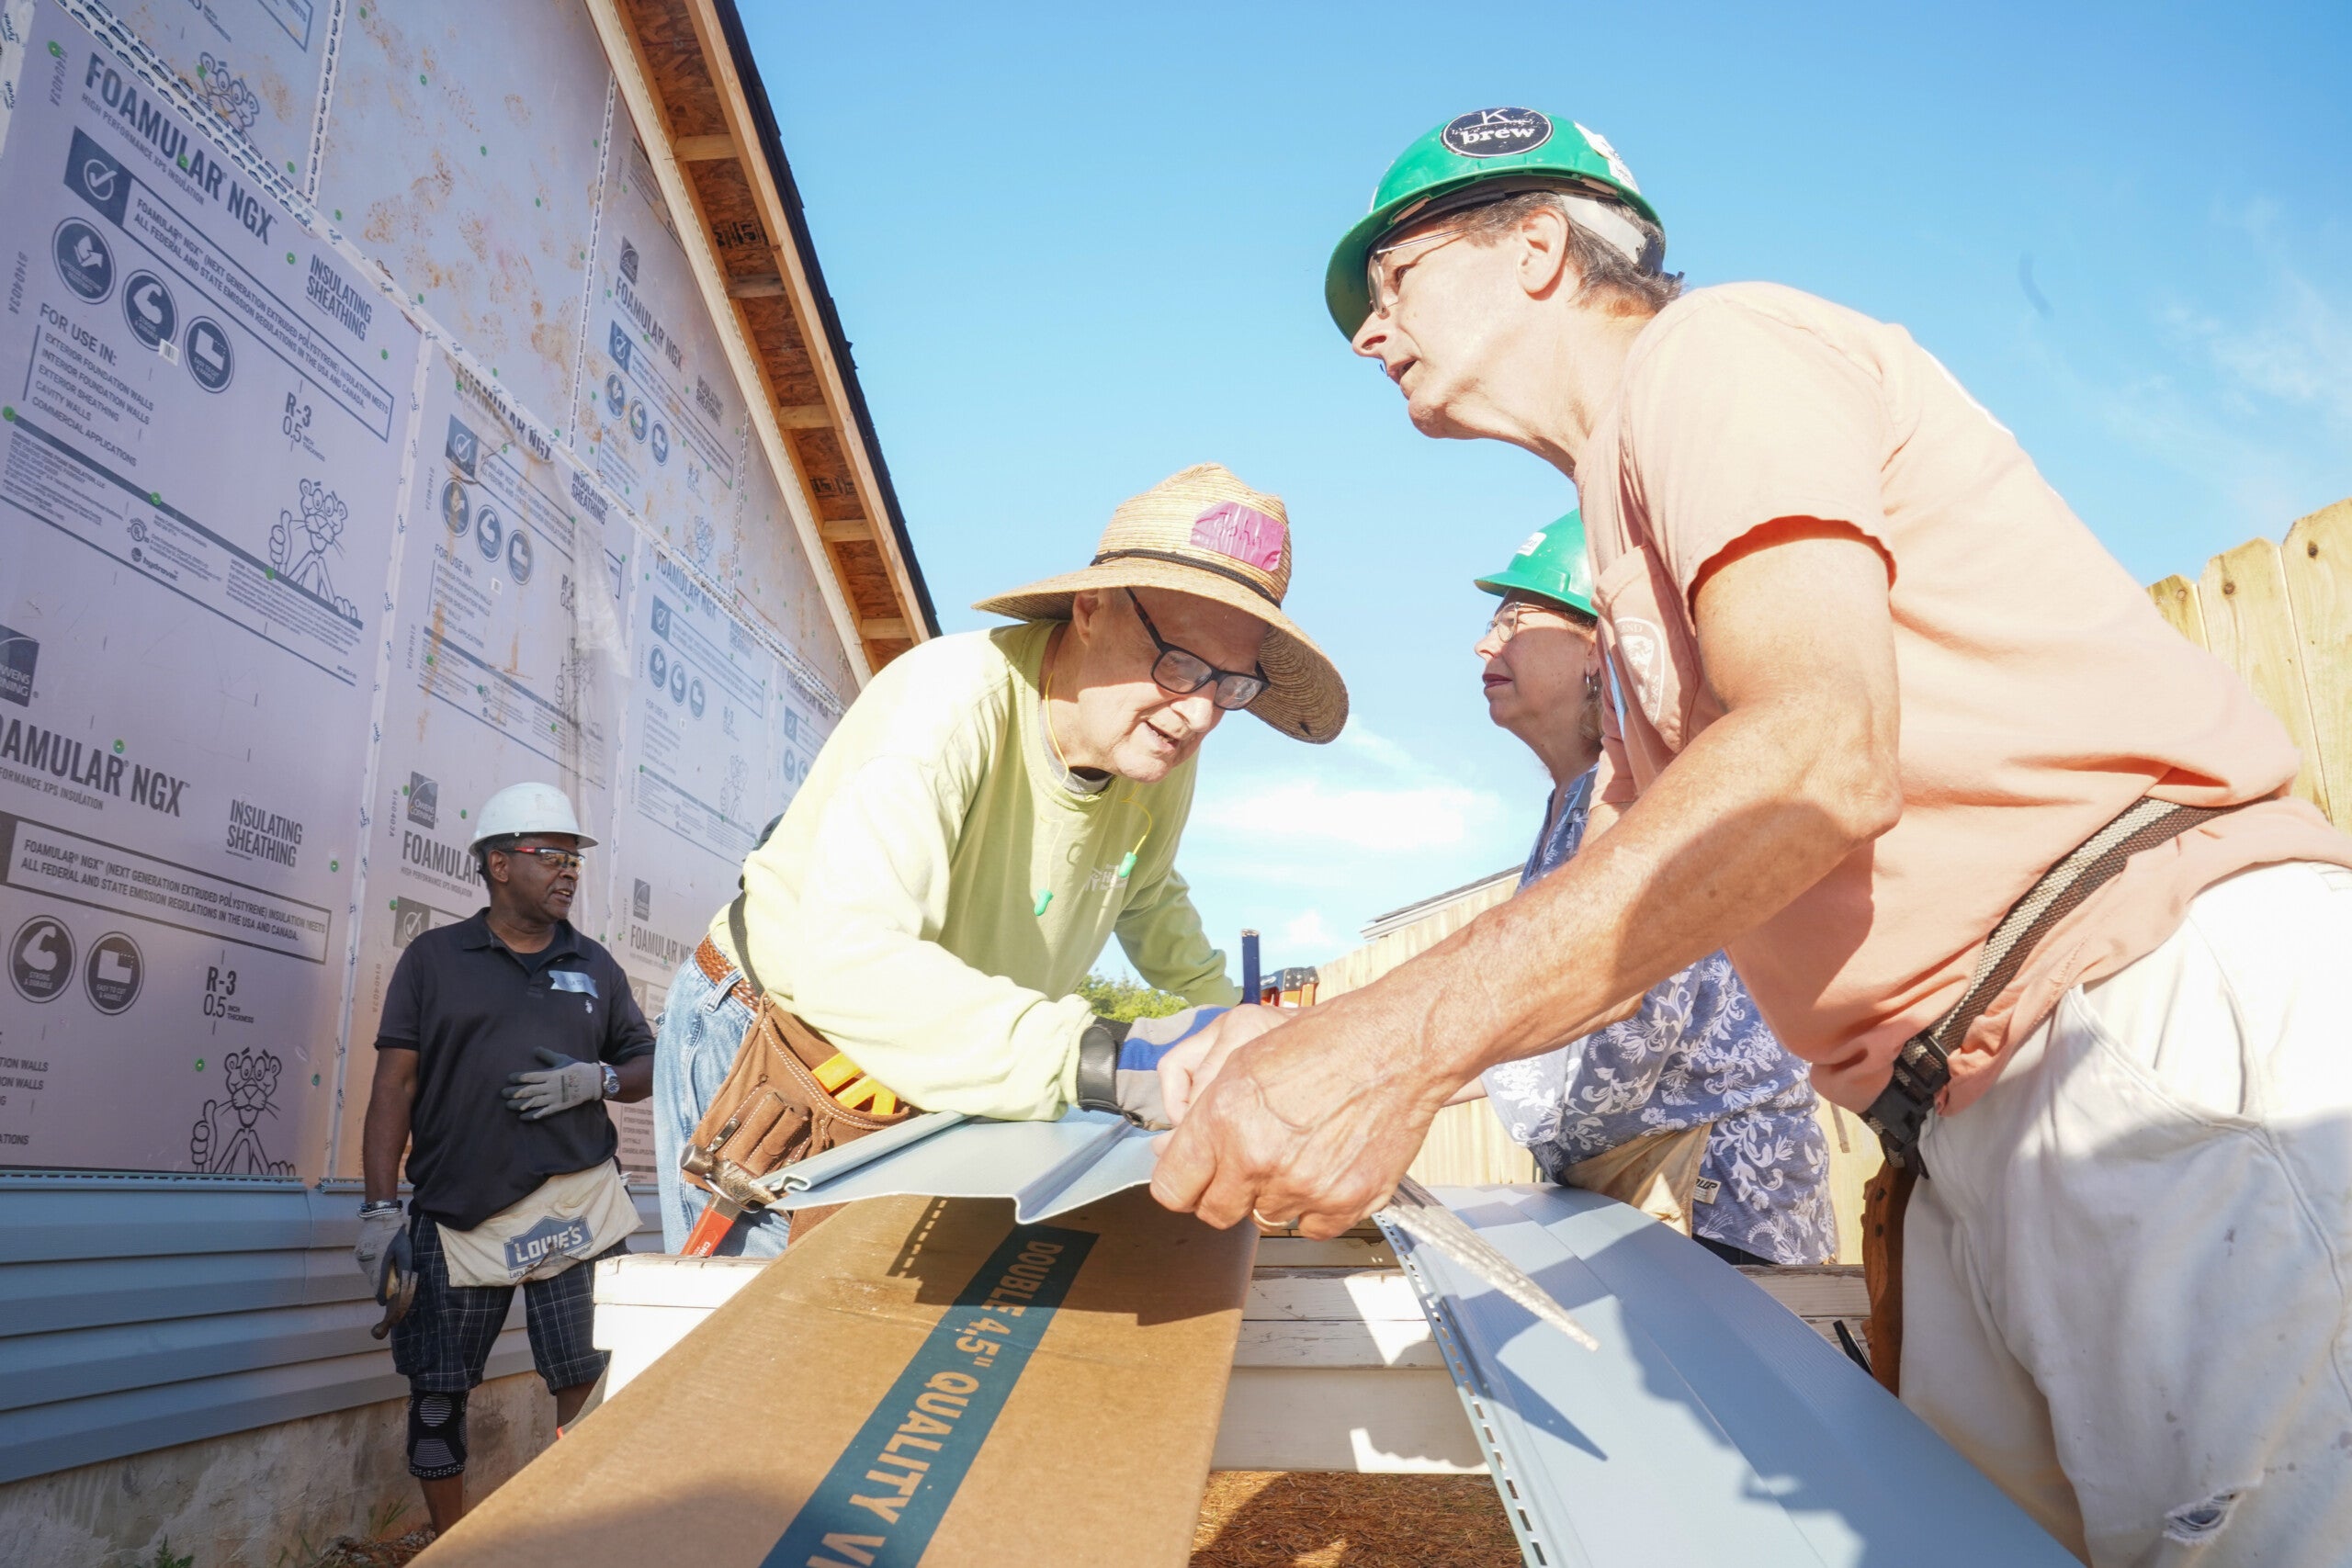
1496,133
424,801
18,655
628,259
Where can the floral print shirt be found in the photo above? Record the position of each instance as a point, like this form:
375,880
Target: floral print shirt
1697,1052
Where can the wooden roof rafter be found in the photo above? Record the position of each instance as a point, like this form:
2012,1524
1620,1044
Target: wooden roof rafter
688,62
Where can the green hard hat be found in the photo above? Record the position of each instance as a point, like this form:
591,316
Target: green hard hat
1525,145
1551,565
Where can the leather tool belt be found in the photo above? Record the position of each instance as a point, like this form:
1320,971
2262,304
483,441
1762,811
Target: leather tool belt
1923,1068
788,1096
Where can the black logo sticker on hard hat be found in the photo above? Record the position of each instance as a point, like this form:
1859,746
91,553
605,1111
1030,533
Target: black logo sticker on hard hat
1496,133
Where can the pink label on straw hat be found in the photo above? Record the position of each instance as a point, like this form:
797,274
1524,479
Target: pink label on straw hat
1240,533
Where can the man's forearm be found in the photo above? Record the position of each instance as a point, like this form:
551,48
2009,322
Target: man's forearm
1757,810
381,1145
637,1079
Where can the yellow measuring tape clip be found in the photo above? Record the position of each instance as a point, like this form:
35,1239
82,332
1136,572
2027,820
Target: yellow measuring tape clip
860,1090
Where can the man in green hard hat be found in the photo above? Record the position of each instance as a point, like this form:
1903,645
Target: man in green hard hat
1690,1109
2008,860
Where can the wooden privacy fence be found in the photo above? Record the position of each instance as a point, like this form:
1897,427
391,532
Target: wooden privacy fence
2282,616
2278,615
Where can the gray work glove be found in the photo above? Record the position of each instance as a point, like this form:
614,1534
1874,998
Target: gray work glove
1118,1066
376,1229
563,1085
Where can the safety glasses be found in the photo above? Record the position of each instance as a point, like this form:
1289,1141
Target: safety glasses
1182,671
1385,271
555,860
1514,616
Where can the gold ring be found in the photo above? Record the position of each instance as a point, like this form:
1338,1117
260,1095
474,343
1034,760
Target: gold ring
1272,1225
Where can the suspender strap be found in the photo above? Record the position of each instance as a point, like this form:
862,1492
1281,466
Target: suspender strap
1923,1068
736,929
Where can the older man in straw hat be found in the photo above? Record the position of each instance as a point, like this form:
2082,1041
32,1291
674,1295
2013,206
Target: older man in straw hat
993,808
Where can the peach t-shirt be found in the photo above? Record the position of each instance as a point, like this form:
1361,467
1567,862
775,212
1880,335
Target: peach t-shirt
2042,694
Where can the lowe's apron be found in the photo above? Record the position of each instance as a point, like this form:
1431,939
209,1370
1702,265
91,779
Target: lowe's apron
566,1219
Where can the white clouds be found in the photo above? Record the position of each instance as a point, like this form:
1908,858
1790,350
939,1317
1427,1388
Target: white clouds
2237,378
2296,350
1299,812
1308,843
1309,931
1371,794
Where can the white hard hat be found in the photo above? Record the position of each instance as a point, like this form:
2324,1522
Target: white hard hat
526,808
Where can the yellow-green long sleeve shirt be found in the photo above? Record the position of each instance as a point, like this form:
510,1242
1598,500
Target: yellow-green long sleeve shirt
895,907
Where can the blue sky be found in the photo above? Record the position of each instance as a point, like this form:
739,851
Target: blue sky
1078,248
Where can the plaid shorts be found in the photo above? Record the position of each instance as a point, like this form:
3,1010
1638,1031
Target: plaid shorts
442,1344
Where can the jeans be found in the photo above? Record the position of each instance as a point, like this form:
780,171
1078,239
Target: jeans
702,1027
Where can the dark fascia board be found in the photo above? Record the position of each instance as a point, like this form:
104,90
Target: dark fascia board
772,148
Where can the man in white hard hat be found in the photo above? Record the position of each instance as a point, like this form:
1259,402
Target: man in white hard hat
993,808
2009,860
501,1037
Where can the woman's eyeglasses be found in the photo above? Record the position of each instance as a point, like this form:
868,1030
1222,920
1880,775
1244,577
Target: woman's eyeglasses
1512,618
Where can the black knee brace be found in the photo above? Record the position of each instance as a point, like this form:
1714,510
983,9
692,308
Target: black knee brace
437,1436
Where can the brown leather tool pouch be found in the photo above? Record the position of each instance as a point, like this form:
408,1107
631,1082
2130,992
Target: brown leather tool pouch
1885,1198
770,1111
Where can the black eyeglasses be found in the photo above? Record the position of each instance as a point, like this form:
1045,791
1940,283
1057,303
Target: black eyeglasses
1183,671
557,860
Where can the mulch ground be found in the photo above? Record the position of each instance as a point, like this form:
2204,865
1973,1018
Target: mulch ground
1301,1519
1258,1519
350,1552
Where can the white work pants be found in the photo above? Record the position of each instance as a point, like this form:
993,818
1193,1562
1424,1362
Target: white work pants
2125,1275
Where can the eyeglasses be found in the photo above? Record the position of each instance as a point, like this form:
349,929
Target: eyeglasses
1509,621
557,860
1183,671
1384,274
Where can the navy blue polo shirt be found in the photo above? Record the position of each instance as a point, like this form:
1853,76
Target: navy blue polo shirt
474,1011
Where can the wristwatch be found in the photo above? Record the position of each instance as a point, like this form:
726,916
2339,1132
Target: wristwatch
1098,1064
612,1081
374,1205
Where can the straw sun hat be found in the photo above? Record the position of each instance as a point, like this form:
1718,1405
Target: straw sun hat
1204,532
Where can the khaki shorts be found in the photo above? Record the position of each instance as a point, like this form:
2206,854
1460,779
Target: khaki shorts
2126,1274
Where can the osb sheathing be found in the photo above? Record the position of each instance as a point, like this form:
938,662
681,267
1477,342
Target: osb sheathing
674,58
775,337
830,481
780,340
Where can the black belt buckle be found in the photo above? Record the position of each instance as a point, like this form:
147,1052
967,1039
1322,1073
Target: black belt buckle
1899,1115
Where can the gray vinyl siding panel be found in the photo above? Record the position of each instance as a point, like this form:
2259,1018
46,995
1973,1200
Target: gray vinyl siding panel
140,1312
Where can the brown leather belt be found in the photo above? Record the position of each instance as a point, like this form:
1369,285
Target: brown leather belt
813,1049
716,966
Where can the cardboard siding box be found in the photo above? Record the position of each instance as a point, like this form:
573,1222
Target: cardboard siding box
920,1380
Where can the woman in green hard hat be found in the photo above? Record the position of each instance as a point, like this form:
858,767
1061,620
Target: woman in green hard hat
1690,1109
